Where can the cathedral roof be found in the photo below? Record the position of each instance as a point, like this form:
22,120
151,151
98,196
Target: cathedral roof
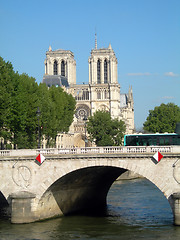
123,100
55,80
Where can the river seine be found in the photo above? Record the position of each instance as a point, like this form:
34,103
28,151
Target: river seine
136,210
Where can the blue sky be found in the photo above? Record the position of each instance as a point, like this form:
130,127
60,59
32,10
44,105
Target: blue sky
145,35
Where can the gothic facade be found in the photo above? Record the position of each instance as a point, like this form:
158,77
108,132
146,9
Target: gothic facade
101,93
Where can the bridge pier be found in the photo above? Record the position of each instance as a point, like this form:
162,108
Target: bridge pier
176,208
22,207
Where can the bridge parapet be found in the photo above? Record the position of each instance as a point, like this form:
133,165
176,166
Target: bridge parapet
95,150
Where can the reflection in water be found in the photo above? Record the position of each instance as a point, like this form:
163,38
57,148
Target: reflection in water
136,210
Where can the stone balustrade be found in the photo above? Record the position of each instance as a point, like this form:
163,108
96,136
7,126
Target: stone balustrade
91,150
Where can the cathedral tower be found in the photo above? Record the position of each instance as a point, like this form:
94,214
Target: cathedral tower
60,68
102,66
103,81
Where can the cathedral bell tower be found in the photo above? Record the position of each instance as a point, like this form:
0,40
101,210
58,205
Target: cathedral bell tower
103,81
60,68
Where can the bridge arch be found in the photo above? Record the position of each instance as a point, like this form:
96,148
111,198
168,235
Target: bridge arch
142,169
80,191
86,186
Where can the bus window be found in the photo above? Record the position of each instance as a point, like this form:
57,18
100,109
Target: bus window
161,141
176,140
167,141
152,141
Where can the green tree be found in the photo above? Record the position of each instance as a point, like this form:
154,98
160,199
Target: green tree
62,107
7,78
23,113
20,96
104,130
45,106
163,118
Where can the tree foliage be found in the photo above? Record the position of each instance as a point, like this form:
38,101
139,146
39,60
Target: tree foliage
20,96
23,119
163,118
104,130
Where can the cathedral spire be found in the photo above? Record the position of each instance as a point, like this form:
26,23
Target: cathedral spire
110,47
95,40
130,97
130,92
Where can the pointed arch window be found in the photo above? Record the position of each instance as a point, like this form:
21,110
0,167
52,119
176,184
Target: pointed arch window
55,67
105,71
46,71
98,95
98,71
63,68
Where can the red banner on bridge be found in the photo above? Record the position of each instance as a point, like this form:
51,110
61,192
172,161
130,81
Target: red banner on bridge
158,156
40,158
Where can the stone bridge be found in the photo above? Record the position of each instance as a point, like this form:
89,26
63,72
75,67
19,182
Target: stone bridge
73,181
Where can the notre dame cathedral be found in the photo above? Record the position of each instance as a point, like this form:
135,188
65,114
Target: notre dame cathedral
102,92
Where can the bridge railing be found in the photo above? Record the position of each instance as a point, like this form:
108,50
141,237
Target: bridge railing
91,150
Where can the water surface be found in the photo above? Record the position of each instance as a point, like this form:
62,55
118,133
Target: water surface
136,210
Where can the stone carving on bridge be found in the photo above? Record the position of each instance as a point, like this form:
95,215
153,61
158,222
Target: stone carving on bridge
176,171
22,176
